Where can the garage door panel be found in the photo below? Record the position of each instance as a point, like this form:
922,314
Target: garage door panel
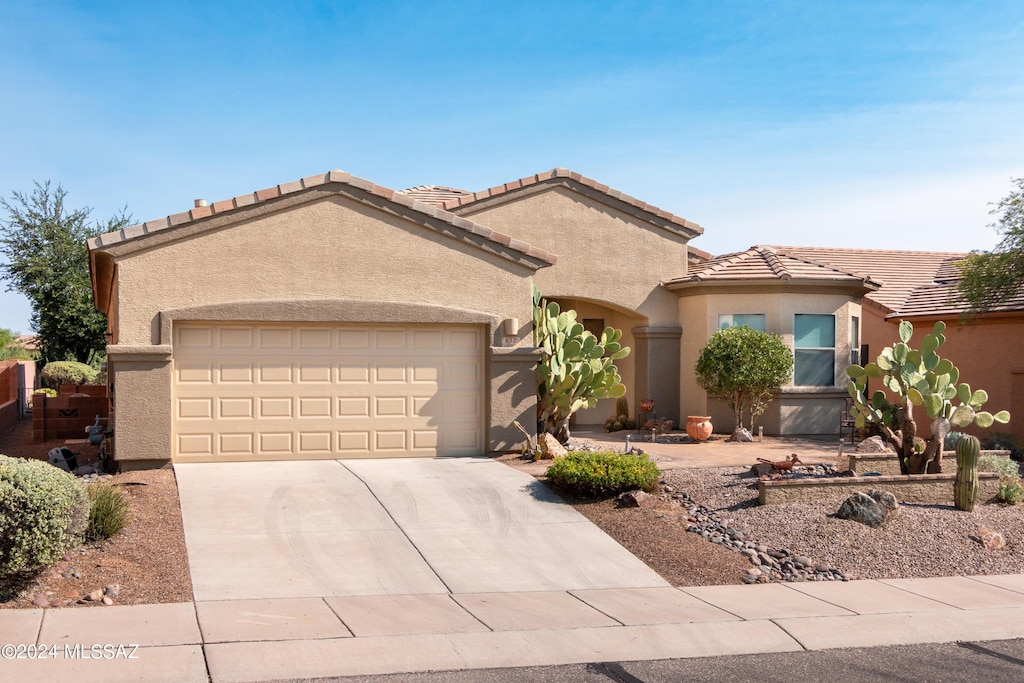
229,408
270,391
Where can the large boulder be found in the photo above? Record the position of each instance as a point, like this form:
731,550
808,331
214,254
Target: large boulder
872,444
872,508
549,447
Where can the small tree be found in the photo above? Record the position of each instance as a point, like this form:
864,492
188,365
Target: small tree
917,378
48,262
576,369
992,278
743,367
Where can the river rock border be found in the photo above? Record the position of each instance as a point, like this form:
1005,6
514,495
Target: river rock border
768,564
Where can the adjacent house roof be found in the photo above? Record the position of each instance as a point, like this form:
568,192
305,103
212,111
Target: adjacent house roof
434,194
767,265
470,201
914,283
899,272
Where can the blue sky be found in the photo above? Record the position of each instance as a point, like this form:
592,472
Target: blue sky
871,124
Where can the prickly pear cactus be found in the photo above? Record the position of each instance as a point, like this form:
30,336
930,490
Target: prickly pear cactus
965,486
576,369
917,378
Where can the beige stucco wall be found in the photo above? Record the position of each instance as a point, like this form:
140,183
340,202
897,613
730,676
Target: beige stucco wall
329,259
603,254
333,248
804,410
610,264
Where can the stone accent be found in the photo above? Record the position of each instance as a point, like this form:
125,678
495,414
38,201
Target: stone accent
549,447
932,489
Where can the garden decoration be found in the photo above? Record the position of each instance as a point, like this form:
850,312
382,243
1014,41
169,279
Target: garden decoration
576,368
917,378
699,427
782,465
965,486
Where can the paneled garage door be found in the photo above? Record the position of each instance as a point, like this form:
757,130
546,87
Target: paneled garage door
271,392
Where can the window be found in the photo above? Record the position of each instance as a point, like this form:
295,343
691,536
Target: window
754,321
814,350
854,340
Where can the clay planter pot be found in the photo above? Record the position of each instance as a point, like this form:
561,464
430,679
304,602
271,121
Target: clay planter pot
699,427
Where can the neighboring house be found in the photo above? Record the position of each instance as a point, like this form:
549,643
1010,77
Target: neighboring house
331,317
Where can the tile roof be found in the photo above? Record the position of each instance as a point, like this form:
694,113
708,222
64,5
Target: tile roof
464,228
899,272
762,263
914,283
562,176
433,194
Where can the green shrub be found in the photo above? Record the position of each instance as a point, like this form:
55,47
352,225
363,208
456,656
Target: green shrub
951,440
604,473
1004,441
43,513
68,372
1001,466
108,511
52,393
1011,491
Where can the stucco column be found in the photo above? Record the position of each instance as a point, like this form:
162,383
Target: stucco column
512,395
140,377
656,362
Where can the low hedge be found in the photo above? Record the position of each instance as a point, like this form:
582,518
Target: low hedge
68,372
43,514
603,473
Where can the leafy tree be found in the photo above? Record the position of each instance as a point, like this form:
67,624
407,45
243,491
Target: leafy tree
989,279
9,346
743,367
48,262
576,369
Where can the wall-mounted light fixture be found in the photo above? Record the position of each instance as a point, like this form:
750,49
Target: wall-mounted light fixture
512,327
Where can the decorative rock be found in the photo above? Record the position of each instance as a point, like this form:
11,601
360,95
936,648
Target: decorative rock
112,590
742,435
761,469
753,571
95,595
992,540
549,447
872,444
40,601
872,508
637,499
107,601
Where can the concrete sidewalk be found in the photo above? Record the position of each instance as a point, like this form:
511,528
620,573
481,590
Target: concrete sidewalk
263,640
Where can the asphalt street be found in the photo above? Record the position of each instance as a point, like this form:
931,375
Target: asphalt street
964,662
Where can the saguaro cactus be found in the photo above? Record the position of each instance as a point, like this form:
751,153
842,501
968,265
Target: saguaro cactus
917,378
577,368
965,487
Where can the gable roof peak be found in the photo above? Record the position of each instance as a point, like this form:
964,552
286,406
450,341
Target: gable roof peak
358,189
584,185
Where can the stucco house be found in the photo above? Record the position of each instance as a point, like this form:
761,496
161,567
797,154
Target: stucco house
331,317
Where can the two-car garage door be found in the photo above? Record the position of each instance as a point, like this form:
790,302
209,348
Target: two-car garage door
265,391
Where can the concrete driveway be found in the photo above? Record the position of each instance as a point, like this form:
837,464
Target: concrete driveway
323,528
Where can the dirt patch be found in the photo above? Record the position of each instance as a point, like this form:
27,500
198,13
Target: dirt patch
147,561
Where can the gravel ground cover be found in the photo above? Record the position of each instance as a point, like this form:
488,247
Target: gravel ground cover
918,541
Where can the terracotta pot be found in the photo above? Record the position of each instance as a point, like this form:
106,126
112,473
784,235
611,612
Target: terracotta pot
699,427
